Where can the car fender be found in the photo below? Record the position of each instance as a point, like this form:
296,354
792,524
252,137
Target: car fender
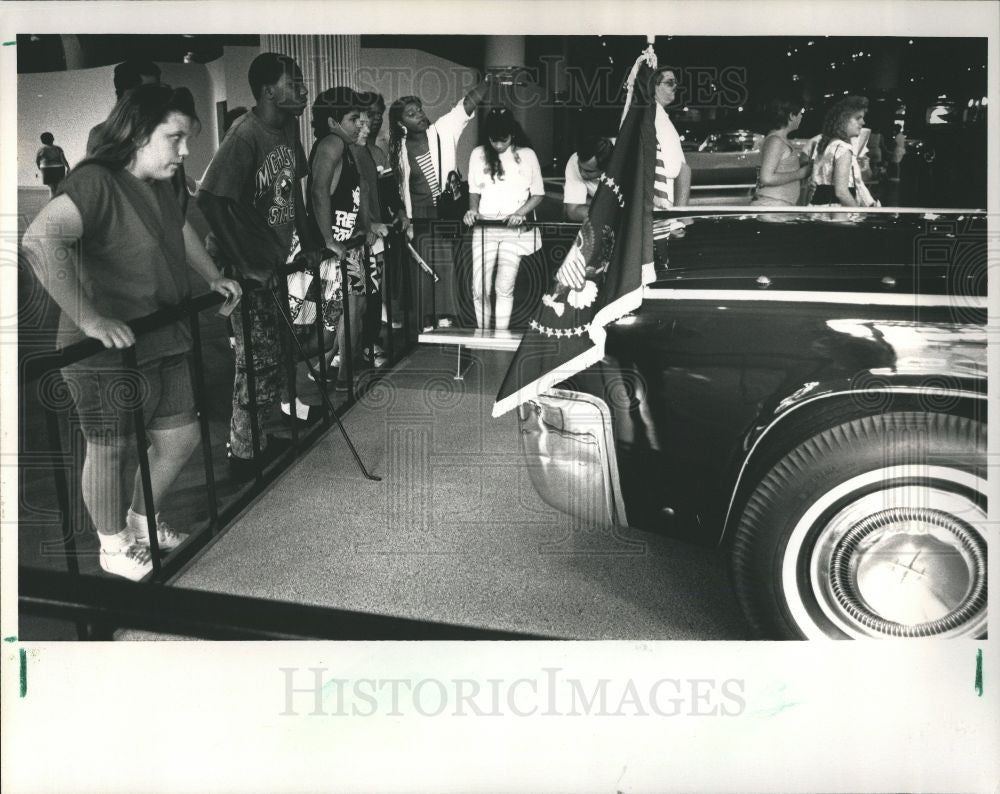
806,410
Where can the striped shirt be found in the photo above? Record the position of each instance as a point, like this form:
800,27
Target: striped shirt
669,159
427,168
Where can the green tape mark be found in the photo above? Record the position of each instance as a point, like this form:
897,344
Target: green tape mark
24,672
10,639
979,672
9,43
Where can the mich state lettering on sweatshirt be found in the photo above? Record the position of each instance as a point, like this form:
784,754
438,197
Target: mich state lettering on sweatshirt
276,177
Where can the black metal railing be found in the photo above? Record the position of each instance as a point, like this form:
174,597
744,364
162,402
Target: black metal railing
89,600
105,605
453,240
36,365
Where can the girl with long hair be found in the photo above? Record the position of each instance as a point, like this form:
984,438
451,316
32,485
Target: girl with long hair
505,184
118,214
779,183
836,170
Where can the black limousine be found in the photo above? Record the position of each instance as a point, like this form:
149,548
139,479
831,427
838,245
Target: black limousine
806,390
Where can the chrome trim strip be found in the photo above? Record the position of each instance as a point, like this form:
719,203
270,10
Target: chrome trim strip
778,419
812,209
801,296
737,186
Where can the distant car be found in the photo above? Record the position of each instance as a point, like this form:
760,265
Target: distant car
692,135
920,148
807,391
726,158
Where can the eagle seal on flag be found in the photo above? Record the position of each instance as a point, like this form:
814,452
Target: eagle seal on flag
602,276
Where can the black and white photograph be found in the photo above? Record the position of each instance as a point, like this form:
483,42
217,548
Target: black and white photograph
476,396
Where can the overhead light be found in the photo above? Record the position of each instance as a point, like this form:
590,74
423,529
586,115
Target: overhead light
985,103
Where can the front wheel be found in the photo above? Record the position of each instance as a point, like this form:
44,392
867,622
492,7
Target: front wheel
874,528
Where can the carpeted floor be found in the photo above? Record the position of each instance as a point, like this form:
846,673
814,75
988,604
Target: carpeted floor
455,531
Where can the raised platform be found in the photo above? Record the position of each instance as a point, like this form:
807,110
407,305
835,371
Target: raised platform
475,338
472,338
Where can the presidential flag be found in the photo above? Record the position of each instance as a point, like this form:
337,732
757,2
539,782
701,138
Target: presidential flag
614,252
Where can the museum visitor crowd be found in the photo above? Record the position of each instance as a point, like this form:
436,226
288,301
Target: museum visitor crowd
296,235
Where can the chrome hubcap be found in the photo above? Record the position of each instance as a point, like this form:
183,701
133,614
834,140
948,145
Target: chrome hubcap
903,561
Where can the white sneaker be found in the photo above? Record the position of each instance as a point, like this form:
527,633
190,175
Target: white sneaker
167,537
132,562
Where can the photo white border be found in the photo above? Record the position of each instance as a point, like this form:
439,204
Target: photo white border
819,716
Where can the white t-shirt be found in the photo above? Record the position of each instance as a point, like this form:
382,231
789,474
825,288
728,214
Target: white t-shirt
823,165
577,190
501,197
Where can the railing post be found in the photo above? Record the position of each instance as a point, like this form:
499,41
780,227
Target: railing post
319,323
347,349
198,379
434,224
286,348
371,266
483,297
141,443
388,254
407,290
246,321
62,490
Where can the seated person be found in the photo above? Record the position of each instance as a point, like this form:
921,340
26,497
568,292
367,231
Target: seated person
583,170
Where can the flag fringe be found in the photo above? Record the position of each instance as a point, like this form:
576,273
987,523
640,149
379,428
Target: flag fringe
615,310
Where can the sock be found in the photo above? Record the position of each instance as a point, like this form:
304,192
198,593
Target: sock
301,409
117,543
137,523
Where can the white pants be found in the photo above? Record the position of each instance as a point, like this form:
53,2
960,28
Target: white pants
498,251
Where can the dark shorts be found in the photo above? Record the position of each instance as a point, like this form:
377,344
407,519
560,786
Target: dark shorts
52,176
825,194
105,398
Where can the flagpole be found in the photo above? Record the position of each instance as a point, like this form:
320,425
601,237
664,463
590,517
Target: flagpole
647,56
567,336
